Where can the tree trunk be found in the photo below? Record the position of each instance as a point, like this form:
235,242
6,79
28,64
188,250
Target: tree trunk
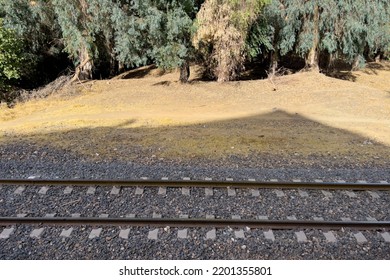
84,69
184,72
274,63
85,66
331,62
312,59
356,63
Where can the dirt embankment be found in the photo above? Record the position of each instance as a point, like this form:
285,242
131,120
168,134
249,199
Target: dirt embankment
145,113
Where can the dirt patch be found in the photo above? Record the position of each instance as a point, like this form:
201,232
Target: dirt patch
150,114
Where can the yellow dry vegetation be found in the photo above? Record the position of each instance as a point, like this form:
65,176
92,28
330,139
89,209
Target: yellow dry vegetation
148,113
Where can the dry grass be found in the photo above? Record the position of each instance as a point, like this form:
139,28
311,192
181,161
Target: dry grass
153,115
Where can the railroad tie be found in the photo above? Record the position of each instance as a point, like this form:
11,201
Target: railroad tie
185,191
360,238
301,236
20,190
303,193
327,194
231,191
268,234
139,190
6,233
208,191
279,193
211,234
124,233
255,192
385,235
350,194
156,216
95,233
91,190
115,190
239,234
43,190
37,232
182,233
67,232
374,195
68,190
329,235
153,234
162,191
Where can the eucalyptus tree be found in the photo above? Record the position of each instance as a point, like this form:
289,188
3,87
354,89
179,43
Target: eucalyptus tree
222,31
169,29
157,31
79,40
349,30
10,58
34,22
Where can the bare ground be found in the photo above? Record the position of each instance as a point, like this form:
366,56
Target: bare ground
148,114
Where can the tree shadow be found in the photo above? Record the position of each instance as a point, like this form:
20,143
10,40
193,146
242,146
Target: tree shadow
371,68
138,73
163,83
343,75
275,138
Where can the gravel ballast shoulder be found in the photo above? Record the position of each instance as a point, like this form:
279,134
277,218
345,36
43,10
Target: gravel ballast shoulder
19,161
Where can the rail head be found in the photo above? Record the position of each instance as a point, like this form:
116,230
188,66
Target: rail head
198,183
197,223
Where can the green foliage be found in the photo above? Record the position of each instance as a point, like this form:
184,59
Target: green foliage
346,29
169,27
10,57
259,39
35,23
154,30
222,31
130,31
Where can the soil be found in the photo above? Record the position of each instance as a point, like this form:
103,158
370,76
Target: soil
146,113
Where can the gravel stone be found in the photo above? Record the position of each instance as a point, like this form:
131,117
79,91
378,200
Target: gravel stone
24,160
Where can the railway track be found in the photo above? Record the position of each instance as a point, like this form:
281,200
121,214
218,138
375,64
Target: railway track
271,224
186,182
62,215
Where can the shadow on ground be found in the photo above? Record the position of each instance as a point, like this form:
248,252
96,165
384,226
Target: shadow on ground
371,68
272,136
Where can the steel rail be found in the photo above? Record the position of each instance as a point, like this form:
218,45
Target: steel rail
199,223
198,183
